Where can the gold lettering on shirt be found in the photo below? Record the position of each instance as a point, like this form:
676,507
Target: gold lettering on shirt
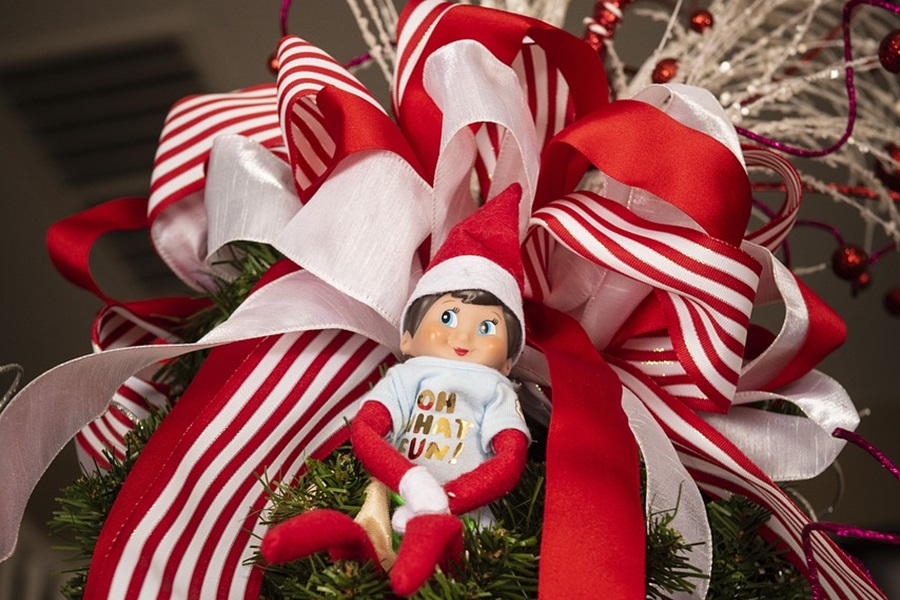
456,453
446,402
462,428
423,423
436,452
442,427
413,453
425,400
423,426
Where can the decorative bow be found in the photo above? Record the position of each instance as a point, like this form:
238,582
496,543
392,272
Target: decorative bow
641,283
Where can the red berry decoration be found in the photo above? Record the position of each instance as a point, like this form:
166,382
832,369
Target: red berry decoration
890,178
892,301
889,52
602,25
594,40
860,283
849,261
665,70
272,63
701,20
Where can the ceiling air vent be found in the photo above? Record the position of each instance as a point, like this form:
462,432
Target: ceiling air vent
98,115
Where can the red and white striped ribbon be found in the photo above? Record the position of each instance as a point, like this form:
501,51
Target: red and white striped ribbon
773,233
287,400
547,94
546,90
191,127
414,30
304,70
188,529
654,355
721,469
131,403
706,286
116,327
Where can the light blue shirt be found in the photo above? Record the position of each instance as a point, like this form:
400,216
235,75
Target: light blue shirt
445,412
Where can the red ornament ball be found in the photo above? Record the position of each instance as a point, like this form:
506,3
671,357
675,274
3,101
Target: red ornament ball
273,63
701,20
892,301
890,178
665,70
889,52
594,40
849,261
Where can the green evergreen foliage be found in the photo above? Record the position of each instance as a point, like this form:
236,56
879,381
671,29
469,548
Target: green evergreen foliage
745,564
668,569
86,502
500,561
249,261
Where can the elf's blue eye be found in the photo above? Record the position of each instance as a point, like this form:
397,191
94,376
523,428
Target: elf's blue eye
448,318
487,328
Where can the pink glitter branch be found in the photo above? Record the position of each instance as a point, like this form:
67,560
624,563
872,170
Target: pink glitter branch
846,531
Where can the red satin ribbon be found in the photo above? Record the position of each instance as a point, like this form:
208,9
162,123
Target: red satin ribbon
594,534
69,242
641,146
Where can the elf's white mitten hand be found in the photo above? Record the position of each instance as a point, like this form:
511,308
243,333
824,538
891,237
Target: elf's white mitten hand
423,496
401,517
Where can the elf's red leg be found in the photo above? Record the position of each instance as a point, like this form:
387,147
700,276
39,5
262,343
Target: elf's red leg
317,530
429,540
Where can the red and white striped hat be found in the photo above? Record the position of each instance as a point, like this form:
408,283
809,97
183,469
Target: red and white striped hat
481,252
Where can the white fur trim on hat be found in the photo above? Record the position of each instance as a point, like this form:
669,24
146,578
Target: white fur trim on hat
469,272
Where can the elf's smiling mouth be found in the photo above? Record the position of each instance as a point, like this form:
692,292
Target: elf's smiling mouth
460,351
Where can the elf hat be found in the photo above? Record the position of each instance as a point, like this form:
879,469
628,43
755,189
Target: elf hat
481,253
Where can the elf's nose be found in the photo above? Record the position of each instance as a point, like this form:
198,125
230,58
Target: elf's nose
459,337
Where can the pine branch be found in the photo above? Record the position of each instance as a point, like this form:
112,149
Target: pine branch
86,502
745,564
249,261
668,568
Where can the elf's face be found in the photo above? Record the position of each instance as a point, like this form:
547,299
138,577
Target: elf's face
459,331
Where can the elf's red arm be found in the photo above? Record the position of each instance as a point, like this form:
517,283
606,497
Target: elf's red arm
493,478
367,431
487,482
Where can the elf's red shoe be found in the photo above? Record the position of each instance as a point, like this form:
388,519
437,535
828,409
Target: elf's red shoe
317,530
429,540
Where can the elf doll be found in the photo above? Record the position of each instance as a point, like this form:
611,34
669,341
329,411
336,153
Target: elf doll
444,428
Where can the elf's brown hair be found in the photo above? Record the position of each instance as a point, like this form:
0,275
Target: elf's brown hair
416,312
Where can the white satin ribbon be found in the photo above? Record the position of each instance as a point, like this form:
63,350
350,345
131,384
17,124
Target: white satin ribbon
179,236
788,447
360,230
671,489
250,197
776,283
466,69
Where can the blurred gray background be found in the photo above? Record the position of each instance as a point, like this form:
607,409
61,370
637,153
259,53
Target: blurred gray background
84,88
